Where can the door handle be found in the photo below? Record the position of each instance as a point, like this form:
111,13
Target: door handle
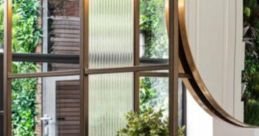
46,119
61,119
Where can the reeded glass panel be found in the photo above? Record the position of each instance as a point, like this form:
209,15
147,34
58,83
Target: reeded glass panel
111,33
110,45
110,98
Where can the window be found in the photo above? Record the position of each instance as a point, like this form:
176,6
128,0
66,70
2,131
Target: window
85,69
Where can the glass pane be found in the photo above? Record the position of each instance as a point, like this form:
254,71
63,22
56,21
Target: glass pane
110,33
111,45
55,30
153,36
110,98
46,106
154,94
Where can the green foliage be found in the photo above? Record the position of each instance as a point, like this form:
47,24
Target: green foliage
152,25
23,107
181,131
147,94
25,37
26,32
251,72
252,112
1,24
147,123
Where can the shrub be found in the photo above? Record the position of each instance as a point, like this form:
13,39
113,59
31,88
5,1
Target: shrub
147,123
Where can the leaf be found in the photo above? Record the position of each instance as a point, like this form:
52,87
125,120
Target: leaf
247,11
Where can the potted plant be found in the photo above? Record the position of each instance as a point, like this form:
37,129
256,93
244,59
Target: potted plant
147,123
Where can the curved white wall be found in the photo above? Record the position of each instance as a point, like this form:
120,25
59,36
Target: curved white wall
215,31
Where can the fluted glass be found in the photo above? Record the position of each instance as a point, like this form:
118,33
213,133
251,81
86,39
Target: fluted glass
110,45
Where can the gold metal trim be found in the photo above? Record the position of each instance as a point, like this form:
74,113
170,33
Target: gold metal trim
7,67
45,74
126,69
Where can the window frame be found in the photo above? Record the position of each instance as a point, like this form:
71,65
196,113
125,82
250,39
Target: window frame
84,71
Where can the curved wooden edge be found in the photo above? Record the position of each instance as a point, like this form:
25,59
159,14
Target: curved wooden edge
195,84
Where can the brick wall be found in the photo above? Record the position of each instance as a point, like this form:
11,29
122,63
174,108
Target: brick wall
65,7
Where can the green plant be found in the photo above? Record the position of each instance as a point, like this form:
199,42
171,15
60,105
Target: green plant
147,94
252,112
147,123
1,24
251,71
26,34
23,107
152,25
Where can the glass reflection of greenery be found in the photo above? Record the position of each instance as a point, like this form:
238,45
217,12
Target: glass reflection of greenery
26,34
153,28
251,71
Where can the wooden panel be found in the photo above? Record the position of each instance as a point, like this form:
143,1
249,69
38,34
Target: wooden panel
68,108
65,39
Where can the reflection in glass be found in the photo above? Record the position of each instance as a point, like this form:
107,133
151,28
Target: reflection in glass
154,93
251,65
55,30
153,37
46,106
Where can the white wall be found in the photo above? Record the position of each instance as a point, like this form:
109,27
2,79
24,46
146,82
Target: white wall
199,122
215,32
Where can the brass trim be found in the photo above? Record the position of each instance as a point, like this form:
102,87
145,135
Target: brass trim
161,74
45,74
136,14
171,16
195,84
125,69
7,67
84,63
